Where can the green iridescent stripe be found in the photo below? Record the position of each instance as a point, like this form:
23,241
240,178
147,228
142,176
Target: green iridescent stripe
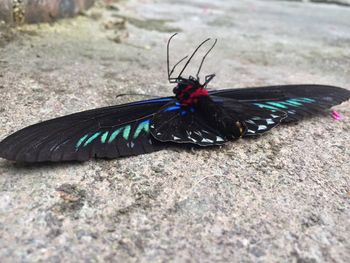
261,105
114,135
126,132
286,103
81,140
104,137
307,100
143,126
277,104
93,137
293,103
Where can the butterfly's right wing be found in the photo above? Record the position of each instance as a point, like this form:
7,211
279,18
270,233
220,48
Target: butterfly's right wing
109,132
299,101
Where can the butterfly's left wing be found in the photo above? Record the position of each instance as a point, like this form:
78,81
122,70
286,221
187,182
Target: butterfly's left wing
108,132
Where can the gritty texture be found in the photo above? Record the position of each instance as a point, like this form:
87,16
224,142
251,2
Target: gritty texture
282,197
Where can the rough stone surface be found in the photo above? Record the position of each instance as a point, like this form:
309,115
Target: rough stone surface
283,197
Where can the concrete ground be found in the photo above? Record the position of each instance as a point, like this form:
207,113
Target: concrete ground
283,197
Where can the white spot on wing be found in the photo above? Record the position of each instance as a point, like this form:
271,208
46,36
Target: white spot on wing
250,131
269,121
192,139
262,127
207,140
219,139
198,133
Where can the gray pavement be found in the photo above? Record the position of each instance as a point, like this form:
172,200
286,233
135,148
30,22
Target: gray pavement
283,197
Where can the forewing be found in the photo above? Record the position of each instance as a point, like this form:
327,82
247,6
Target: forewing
103,133
298,101
174,123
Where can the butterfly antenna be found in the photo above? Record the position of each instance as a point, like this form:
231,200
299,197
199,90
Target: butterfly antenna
200,67
194,52
172,70
167,55
135,94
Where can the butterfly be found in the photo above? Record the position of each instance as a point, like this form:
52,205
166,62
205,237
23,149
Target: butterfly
193,115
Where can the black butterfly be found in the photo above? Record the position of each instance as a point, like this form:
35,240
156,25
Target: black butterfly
193,116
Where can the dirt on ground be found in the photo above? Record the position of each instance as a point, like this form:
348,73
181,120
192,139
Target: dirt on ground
282,197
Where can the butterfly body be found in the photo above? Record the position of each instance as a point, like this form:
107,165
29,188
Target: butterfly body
189,91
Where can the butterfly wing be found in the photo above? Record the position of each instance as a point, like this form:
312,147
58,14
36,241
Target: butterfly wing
174,123
214,122
109,132
255,120
298,101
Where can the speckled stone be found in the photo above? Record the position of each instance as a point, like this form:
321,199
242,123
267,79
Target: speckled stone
282,197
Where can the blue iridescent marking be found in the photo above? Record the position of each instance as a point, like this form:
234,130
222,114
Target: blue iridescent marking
192,109
81,140
104,137
172,108
184,112
143,126
93,137
152,100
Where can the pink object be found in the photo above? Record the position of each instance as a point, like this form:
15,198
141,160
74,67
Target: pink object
336,115
206,10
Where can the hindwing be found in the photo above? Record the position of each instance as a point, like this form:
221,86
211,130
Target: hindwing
179,124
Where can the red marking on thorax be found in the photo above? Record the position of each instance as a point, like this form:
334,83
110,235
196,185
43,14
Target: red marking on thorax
192,96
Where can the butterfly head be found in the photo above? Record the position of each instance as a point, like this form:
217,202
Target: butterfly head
189,91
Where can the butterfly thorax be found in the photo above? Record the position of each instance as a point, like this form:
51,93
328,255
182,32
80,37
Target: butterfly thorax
189,91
